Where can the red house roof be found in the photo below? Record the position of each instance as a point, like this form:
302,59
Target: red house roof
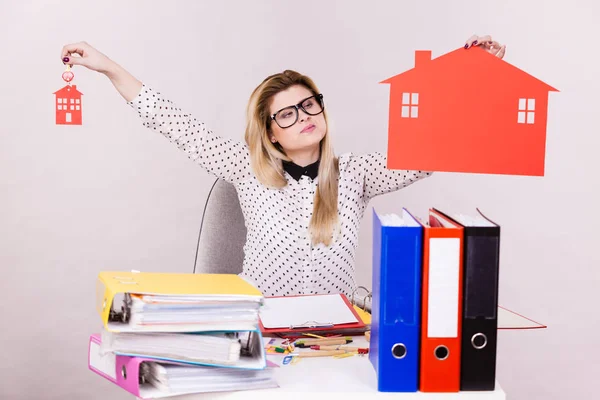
468,63
67,91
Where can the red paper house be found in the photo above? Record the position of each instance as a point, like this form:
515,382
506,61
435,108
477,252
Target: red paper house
467,111
68,105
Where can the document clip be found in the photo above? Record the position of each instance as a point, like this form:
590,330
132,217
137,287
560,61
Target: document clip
312,324
287,359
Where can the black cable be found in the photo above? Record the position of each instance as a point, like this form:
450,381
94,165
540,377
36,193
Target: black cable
202,223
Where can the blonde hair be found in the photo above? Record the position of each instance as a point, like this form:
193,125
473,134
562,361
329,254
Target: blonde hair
266,157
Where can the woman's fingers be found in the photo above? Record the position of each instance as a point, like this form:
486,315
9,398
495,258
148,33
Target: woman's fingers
495,48
487,43
69,49
80,49
484,39
500,53
470,41
475,40
491,45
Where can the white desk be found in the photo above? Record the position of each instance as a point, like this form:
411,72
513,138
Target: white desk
328,378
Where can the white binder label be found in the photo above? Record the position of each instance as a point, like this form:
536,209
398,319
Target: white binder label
106,364
442,308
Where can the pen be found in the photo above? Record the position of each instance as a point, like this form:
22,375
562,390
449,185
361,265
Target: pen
359,350
332,341
323,343
316,340
324,353
327,347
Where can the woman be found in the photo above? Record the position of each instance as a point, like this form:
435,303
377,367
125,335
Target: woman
302,204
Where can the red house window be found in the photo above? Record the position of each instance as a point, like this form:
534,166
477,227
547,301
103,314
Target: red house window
526,111
410,105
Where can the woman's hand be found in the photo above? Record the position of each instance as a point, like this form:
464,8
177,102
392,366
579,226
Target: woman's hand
87,56
488,44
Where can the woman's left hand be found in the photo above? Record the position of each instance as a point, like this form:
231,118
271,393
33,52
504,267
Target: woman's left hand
487,43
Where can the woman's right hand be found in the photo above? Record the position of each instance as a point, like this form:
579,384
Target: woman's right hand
87,56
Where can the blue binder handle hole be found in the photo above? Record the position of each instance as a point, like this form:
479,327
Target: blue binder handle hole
399,350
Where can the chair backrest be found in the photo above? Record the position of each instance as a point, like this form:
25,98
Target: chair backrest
222,233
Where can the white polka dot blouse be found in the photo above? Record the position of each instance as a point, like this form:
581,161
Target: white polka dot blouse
279,257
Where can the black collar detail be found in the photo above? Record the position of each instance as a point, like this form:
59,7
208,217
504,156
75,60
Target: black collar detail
296,171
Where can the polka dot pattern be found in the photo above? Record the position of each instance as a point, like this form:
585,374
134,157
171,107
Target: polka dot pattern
279,257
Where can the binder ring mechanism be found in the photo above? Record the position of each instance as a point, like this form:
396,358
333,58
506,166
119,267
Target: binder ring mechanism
368,295
124,314
312,324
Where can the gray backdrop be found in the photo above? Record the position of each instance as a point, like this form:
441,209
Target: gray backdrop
111,194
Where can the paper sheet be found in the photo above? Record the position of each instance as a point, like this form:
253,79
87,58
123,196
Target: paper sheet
320,310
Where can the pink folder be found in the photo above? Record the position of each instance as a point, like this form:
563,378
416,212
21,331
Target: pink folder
124,371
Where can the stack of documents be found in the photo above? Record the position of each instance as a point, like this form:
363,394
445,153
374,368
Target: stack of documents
189,313
232,349
177,379
154,302
179,333
151,378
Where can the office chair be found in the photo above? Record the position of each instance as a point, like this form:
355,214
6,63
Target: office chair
222,234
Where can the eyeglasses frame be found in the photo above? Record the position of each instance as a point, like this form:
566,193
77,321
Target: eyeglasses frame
297,107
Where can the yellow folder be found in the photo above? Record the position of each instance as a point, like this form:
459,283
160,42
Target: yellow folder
113,283
364,315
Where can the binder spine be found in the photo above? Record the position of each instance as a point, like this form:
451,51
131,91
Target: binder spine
441,332
378,254
123,371
396,306
480,318
104,301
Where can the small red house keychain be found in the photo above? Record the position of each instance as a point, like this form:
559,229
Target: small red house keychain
68,102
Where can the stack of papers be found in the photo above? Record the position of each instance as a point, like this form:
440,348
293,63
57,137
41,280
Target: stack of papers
231,349
179,379
181,333
155,302
192,313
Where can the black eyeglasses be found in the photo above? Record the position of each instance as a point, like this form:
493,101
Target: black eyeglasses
288,116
